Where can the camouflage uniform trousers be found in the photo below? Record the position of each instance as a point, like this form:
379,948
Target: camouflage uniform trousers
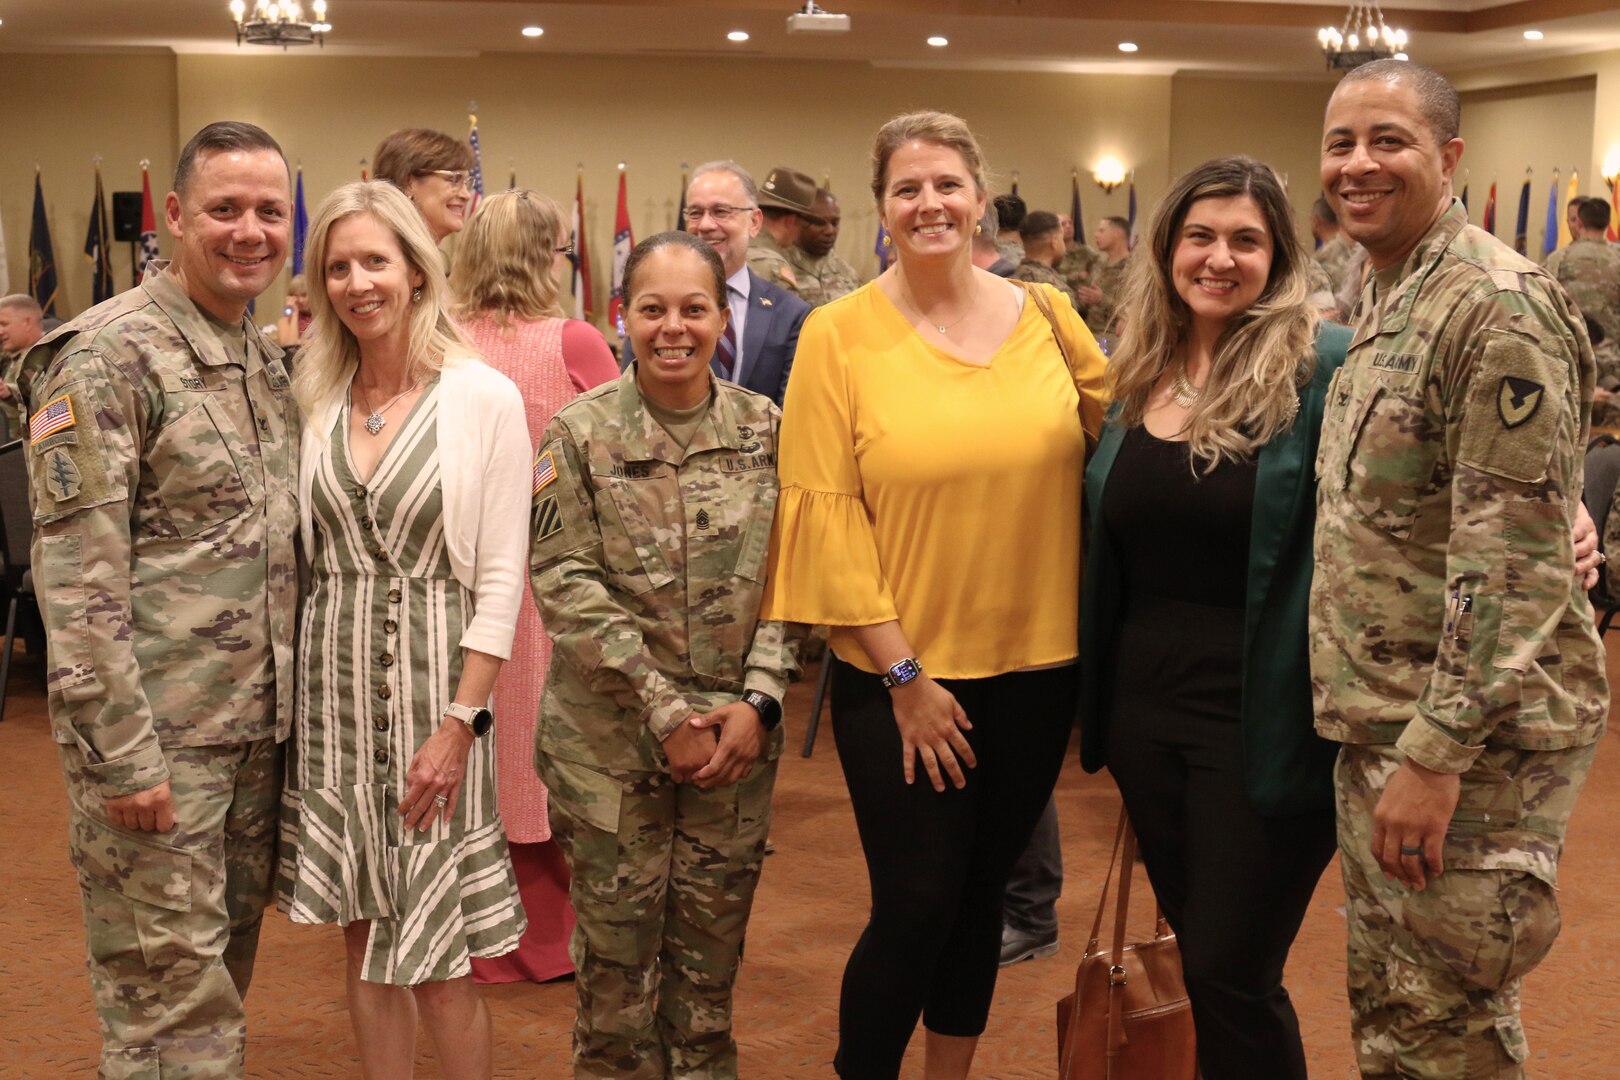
1434,976
172,919
663,880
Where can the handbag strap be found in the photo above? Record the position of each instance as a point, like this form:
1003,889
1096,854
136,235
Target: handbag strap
1045,307
1116,959
1102,901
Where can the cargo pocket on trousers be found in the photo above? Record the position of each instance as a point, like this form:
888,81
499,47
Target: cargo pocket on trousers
134,1063
585,808
1510,1032
1487,927
139,892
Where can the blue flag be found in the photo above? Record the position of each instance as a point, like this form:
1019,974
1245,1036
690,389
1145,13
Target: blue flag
41,259
1074,208
477,175
96,247
884,251
1130,211
1521,229
300,226
1549,236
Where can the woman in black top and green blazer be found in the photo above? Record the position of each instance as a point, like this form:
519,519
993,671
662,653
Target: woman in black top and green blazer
1195,683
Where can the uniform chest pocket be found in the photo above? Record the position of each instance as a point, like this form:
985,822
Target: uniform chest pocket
637,532
1382,456
198,461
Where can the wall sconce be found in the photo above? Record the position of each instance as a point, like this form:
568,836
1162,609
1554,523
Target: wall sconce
1109,174
1611,165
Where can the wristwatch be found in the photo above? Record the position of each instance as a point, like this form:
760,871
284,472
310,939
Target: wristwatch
478,719
769,709
902,672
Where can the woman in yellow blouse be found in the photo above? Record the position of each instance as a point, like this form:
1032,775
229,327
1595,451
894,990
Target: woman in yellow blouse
932,446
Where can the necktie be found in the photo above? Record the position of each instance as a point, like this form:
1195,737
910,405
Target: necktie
725,352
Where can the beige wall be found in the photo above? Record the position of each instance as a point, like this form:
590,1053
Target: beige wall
61,111
1275,122
1543,128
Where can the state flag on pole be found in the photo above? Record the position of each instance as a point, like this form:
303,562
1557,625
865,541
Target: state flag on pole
1549,230
477,175
581,257
97,248
1521,228
1614,214
300,225
1489,224
883,251
41,257
1130,210
623,241
1569,197
149,243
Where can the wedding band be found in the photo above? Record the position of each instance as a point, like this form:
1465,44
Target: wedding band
1602,558
442,801
1411,851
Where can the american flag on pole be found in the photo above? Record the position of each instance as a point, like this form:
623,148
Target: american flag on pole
478,166
149,243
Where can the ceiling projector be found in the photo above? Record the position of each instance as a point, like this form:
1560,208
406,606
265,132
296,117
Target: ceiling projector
814,20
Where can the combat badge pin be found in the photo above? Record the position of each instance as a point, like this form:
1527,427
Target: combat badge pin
1517,400
62,477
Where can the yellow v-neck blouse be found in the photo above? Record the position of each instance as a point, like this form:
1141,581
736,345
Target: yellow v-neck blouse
920,487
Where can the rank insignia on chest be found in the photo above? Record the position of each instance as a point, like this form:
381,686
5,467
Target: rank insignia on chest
1517,400
545,471
62,478
55,416
702,519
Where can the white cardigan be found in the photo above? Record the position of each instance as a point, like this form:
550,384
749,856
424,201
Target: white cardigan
485,462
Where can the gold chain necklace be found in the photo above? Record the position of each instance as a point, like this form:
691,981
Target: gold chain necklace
374,423
1182,392
966,312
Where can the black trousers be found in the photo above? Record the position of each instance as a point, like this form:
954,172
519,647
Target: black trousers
938,861
1233,884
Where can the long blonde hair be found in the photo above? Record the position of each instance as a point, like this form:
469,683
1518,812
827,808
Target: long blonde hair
504,259
1265,353
331,353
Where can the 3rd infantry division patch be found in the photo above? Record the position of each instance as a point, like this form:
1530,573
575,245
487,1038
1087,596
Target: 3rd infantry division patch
1517,400
547,518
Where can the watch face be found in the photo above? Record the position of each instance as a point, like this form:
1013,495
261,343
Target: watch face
904,671
482,721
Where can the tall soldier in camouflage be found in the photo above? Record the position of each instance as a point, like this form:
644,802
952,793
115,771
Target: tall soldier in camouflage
1042,236
653,506
785,196
161,461
1113,240
1589,270
1080,259
1333,256
822,273
1452,649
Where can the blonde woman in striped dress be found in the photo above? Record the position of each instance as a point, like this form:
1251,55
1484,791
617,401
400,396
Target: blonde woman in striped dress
505,286
413,489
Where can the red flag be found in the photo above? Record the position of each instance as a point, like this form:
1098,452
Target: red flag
581,257
1489,224
149,239
1614,211
623,241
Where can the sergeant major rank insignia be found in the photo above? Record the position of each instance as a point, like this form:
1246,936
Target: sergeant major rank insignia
1517,400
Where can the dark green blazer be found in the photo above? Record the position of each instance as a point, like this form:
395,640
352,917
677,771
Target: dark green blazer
1287,767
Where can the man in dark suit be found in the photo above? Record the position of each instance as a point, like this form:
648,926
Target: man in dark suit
722,207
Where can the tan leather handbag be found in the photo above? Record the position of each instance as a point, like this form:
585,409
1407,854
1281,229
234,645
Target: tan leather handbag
1128,1018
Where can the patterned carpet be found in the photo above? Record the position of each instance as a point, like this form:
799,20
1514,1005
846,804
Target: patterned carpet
811,905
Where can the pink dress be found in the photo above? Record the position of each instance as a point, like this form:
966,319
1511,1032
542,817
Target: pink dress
552,361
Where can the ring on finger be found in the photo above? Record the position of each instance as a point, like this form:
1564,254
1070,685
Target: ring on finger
1411,851
442,801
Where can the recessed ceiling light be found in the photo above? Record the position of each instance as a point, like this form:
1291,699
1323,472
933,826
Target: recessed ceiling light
1127,46
939,42
1533,35
737,35
533,31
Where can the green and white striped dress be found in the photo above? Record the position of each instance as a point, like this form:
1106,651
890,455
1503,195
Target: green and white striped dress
378,660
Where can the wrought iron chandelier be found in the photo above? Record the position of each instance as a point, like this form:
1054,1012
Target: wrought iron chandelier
280,22
1363,37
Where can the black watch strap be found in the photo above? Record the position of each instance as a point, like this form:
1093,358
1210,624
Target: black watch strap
769,709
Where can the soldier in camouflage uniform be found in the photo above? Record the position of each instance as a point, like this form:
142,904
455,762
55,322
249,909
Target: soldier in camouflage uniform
20,329
1334,254
785,196
1452,651
1589,270
823,275
1042,236
654,501
161,461
1113,242
1080,260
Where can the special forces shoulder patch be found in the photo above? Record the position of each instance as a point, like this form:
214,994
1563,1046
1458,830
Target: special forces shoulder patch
1517,400
62,477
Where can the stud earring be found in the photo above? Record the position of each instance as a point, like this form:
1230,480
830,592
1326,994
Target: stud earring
978,229
887,240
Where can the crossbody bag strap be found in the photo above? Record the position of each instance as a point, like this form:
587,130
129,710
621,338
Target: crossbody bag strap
1102,901
1116,959
1045,307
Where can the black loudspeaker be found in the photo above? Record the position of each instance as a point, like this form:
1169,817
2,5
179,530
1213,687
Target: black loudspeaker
126,215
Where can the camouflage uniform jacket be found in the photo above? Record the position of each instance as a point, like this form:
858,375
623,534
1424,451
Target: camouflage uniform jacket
161,470
1079,265
648,567
1445,614
1039,273
1334,257
1108,276
1589,270
770,261
822,280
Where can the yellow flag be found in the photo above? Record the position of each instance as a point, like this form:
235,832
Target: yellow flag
1563,221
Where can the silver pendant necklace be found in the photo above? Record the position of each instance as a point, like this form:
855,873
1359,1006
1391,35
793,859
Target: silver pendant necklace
374,423
965,312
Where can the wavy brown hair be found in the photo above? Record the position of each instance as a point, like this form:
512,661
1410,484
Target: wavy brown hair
503,261
1262,357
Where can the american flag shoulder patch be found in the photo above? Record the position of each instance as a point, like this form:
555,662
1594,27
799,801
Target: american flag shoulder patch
54,416
545,471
